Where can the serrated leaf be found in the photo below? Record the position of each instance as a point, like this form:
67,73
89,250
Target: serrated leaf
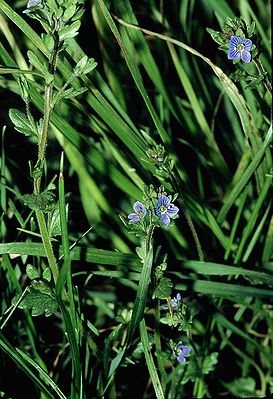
242,387
32,272
69,93
216,36
164,289
69,31
84,66
21,122
44,201
37,302
209,363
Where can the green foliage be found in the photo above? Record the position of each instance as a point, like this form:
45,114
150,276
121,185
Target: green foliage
21,122
39,299
151,116
198,367
243,387
163,289
45,201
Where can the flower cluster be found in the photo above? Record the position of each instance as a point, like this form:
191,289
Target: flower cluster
163,209
176,300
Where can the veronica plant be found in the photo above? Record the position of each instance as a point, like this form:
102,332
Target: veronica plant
61,21
241,43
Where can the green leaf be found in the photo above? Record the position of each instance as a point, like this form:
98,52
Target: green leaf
37,302
47,274
69,13
32,272
209,363
69,31
21,122
84,66
243,387
37,63
142,292
45,201
217,36
69,93
251,28
164,288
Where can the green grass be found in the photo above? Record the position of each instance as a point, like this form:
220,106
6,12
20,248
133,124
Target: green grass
161,88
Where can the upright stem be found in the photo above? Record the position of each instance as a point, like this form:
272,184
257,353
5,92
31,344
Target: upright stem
261,70
158,347
189,221
41,157
47,113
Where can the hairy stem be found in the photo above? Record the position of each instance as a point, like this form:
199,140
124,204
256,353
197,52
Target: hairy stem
189,220
261,70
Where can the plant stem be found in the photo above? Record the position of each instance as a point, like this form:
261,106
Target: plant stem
47,113
261,70
158,347
189,220
47,245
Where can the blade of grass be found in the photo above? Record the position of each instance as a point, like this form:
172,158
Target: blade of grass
141,297
124,9
13,354
150,361
230,200
252,219
268,245
128,50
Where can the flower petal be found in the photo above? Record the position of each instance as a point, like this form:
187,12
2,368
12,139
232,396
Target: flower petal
179,297
172,210
248,44
163,201
139,208
133,218
165,218
33,3
185,350
246,56
235,40
181,358
233,54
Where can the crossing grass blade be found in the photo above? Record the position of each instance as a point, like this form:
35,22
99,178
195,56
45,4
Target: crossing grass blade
236,190
20,361
128,50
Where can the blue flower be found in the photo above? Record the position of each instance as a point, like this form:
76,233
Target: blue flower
164,209
176,300
183,350
239,48
140,212
30,4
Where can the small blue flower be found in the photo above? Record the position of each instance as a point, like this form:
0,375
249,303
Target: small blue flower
176,300
164,209
140,212
183,350
30,4
239,48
